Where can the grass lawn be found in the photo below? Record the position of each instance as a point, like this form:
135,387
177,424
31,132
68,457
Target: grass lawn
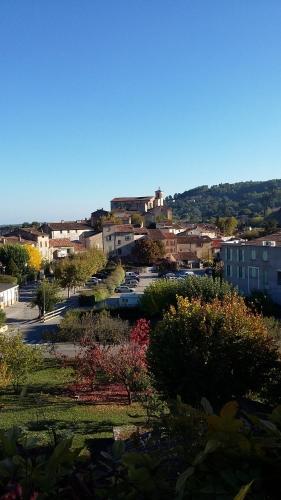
44,407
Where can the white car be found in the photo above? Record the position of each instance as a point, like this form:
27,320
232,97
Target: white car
123,289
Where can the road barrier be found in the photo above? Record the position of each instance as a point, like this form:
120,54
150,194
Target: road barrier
53,314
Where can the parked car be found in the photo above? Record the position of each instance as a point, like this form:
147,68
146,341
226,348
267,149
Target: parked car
170,276
95,280
131,274
123,289
185,273
131,282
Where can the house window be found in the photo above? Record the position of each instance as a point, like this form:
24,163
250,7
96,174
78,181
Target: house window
279,278
241,254
119,242
241,272
229,270
265,255
61,231
254,272
108,238
46,243
253,254
265,277
41,244
127,238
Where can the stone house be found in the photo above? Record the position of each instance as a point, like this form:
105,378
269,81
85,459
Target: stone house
62,230
201,246
118,239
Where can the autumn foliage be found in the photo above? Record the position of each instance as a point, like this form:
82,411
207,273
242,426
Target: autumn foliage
34,258
121,363
219,350
140,332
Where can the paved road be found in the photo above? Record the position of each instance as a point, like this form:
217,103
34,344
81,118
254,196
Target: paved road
21,317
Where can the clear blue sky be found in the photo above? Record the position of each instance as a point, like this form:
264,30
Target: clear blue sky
103,98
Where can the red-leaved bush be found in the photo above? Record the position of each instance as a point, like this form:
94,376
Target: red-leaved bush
140,332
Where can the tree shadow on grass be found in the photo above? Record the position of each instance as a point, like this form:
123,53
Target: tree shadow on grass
82,427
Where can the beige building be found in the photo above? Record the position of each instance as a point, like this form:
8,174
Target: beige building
31,236
63,247
118,240
62,230
201,246
139,204
92,239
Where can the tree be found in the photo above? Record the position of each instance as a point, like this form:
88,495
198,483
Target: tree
46,297
148,251
227,225
123,364
34,258
99,223
76,270
20,359
137,219
219,350
15,258
161,294
2,317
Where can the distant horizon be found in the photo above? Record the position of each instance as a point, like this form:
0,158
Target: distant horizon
70,219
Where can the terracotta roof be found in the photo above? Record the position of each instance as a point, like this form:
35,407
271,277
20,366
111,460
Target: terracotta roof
15,239
184,238
134,198
186,256
61,243
141,230
155,234
64,226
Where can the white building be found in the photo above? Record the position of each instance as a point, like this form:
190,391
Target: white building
9,294
66,230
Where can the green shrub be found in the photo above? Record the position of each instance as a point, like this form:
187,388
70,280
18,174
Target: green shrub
162,293
6,278
20,358
218,350
2,317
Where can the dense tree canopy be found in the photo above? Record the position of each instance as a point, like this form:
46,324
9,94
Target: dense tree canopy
241,199
161,294
15,258
219,350
148,251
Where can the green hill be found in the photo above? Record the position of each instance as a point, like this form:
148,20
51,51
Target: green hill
244,200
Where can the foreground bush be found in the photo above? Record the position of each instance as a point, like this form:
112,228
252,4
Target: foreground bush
162,293
228,457
18,359
218,350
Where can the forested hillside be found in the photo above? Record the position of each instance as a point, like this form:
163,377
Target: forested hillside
249,201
